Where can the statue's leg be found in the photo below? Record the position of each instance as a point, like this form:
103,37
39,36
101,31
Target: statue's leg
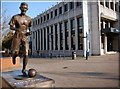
25,61
15,48
25,58
15,54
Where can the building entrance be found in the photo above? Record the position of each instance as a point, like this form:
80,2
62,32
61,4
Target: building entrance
109,42
112,42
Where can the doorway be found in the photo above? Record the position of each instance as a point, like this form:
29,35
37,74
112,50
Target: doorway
109,42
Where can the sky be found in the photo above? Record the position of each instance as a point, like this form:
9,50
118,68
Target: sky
34,7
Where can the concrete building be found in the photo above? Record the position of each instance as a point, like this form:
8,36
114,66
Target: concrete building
79,27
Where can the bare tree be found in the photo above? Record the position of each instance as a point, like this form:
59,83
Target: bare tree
4,23
5,33
4,20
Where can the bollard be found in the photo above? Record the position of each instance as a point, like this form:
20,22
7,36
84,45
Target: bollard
87,54
73,55
50,55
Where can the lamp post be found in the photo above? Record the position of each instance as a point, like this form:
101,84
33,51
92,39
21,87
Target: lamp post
87,51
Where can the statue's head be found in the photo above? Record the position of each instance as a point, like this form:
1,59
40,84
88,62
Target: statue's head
23,8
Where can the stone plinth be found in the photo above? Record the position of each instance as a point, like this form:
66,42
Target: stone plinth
9,81
6,63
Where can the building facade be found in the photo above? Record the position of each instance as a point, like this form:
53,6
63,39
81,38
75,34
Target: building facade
81,27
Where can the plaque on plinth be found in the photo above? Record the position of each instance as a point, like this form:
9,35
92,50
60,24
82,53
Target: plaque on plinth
14,79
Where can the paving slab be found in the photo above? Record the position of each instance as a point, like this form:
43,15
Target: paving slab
97,71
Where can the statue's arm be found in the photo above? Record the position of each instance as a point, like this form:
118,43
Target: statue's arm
29,27
30,30
12,23
12,28
30,24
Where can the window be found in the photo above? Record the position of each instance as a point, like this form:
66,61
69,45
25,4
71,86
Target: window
33,23
44,38
48,37
116,6
66,36
55,12
112,5
38,20
47,16
101,25
44,17
102,2
78,3
106,24
66,25
65,7
33,35
41,19
107,4
56,37
38,39
80,33
61,36
51,37
111,24
73,25
51,14
80,22
73,34
41,39
71,5
119,8
60,10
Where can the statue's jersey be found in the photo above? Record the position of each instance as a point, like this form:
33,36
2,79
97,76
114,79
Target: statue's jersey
20,22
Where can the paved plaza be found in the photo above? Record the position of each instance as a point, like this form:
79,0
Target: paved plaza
97,71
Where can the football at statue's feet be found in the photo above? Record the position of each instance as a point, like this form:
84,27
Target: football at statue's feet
32,73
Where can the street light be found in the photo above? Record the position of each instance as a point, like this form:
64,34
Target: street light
87,53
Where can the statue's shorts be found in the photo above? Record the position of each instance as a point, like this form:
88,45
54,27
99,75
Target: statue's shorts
18,40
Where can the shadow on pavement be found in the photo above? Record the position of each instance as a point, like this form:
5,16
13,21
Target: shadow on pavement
93,75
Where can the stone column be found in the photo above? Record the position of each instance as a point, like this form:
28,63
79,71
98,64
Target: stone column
114,5
109,4
104,2
75,4
63,27
108,24
43,37
37,39
76,34
86,28
105,42
68,6
105,39
34,42
58,30
50,38
40,38
69,29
